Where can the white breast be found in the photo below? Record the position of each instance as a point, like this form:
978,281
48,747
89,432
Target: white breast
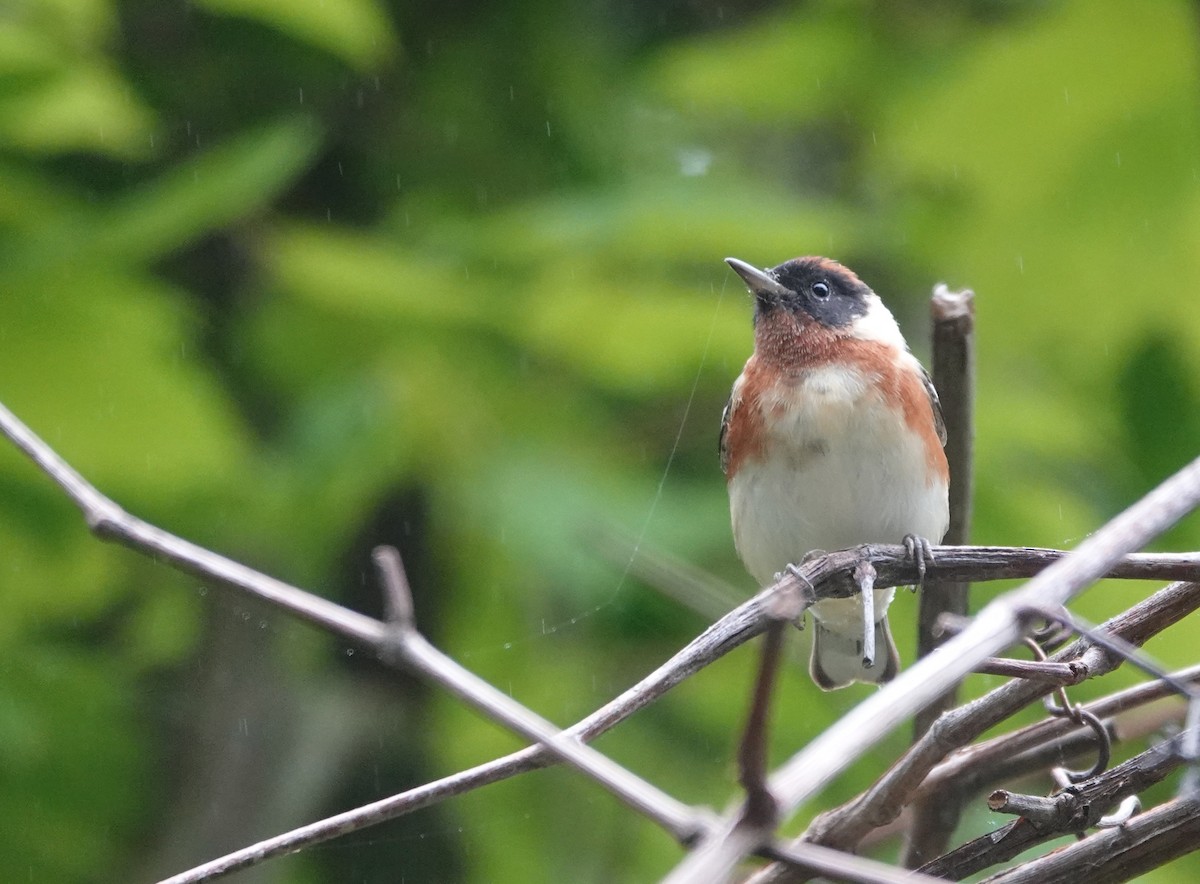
839,469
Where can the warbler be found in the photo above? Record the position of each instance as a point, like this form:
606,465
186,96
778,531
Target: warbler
832,437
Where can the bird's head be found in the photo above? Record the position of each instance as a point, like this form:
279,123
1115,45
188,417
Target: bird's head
818,296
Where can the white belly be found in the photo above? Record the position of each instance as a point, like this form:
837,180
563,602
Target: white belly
838,471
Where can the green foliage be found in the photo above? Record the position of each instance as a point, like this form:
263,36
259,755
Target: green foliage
357,31
297,278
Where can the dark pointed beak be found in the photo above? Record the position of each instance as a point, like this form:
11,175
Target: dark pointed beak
760,283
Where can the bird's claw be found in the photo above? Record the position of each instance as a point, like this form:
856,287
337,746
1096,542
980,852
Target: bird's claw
920,551
796,571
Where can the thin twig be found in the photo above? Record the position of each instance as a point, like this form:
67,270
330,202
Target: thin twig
397,594
683,822
1058,673
412,649
1038,810
817,860
752,754
953,315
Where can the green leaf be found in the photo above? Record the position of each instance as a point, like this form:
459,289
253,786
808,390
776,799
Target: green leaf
86,107
74,23
98,363
367,277
782,68
357,31
216,188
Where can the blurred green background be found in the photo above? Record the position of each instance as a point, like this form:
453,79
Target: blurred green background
292,278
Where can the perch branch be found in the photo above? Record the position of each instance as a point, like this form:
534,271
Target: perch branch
996,627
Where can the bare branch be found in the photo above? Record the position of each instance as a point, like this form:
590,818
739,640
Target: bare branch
752,755
981,764
953,315
1056,673
844,826
733,630
1145,842
996,627
983,563
109,522
830,575
677,818
1075,809
817,860
1038,810
397,594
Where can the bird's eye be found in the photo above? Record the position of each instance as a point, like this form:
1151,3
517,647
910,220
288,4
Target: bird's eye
820,290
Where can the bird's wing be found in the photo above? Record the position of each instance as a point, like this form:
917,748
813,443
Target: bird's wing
936,404
723,438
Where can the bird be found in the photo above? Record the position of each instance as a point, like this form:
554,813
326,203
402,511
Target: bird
832,437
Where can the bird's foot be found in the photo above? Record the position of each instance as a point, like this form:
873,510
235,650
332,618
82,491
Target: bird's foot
795,570
920,551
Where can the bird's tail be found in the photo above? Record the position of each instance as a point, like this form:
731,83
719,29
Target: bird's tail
837,658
